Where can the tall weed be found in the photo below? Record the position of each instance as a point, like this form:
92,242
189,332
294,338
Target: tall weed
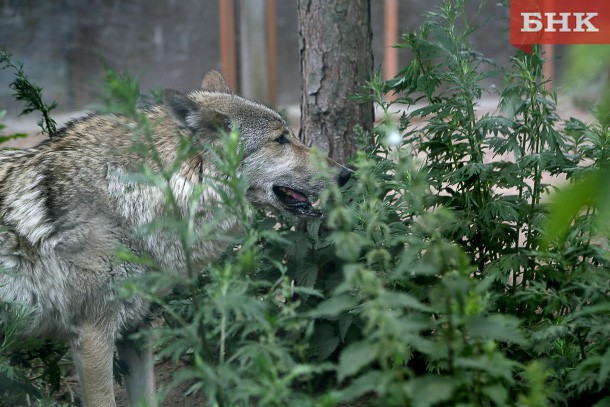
491,171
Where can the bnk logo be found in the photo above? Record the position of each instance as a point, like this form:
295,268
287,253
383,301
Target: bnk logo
559,22
533,22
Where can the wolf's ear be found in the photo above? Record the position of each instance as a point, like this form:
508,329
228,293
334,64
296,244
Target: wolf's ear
189,116
182,109
214,82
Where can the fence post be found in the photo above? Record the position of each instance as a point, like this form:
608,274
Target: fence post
254,61
228,43
390,54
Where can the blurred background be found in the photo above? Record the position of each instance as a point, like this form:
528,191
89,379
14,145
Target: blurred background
64,44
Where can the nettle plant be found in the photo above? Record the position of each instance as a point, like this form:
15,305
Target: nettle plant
490,171
373,304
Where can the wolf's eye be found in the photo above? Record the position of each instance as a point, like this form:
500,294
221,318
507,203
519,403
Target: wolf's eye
282,139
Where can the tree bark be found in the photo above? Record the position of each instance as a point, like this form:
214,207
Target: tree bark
336,61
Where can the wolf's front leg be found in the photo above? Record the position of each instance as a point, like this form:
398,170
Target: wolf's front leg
92,351
139,381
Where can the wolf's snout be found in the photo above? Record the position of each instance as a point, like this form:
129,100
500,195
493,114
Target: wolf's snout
343,177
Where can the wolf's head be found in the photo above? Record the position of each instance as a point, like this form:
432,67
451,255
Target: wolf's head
279,167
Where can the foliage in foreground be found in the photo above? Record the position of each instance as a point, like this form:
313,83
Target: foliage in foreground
426,283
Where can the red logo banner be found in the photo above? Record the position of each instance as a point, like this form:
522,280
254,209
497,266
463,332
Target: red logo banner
559,22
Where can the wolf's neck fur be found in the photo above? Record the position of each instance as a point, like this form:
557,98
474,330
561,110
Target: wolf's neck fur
141,205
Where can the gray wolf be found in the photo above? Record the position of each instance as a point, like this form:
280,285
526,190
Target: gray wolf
64,210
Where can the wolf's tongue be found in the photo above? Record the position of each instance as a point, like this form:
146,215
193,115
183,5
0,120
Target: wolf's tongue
296,195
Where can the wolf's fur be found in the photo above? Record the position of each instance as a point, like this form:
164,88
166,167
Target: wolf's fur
65,208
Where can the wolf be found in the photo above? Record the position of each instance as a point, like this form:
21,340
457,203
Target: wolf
66,205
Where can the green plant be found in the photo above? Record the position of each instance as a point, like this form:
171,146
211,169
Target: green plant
490,170
6,138
29,93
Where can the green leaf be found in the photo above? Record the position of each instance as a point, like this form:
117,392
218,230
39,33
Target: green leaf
367,383
306,274
604,368
333,306
355,357
349,244
427,391
4,139
404,300
345,321
497,393
569,201
324,341
498,327
601,309
495,366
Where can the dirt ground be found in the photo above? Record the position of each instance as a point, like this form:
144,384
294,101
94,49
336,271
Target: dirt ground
164,370
163,378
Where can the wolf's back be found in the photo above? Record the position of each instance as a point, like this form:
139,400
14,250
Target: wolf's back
59,227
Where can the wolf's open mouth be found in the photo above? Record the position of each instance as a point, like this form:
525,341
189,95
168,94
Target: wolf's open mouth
296,201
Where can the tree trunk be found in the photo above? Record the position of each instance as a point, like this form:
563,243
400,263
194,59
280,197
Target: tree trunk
336,60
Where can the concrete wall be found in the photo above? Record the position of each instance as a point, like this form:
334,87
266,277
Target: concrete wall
168,43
